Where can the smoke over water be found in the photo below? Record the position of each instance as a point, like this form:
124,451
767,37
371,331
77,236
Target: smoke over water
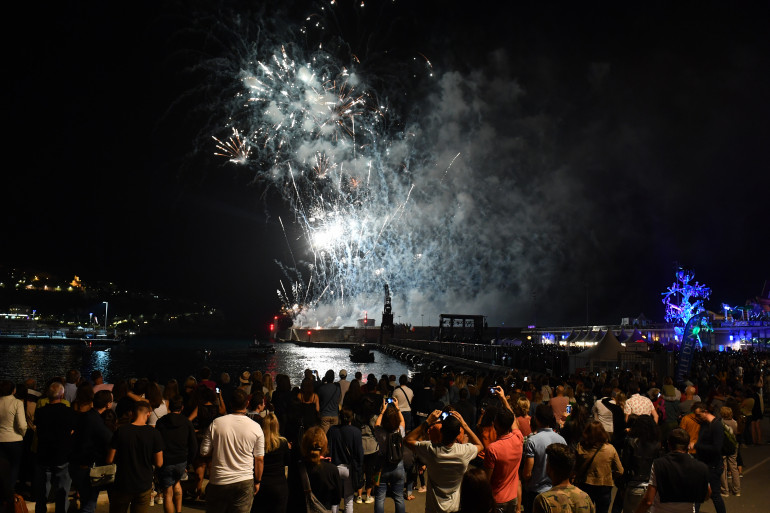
454,200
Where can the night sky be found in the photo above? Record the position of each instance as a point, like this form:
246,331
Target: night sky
601,142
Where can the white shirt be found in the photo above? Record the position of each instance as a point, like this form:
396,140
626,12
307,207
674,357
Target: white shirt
157,413
446,466
233,441
603,415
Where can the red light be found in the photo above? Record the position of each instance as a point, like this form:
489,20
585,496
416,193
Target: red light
309,332
272,326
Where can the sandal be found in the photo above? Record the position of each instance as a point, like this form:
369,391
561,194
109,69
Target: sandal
410,497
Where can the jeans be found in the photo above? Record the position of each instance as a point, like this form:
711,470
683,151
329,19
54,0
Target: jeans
347,487
395,479
88,494
56,477
715,481
633,497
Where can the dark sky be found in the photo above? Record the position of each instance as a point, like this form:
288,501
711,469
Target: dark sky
636,135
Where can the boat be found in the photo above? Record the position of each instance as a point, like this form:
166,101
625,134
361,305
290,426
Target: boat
261,348
361,354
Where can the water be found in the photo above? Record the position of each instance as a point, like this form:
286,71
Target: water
176,358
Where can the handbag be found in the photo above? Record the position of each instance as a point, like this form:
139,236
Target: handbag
103,475
312,503
583,474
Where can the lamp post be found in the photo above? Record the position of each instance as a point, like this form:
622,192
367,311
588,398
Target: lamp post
106,306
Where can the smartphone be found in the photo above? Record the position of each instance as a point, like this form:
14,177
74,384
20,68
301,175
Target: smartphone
444,414
217,389
389,400
569,409
525,378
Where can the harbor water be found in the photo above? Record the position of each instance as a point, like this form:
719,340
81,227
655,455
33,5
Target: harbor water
165,358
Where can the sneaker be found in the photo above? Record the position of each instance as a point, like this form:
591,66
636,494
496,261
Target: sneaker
738,494
724,494
421,489
152,501
369,499
159,500
359,500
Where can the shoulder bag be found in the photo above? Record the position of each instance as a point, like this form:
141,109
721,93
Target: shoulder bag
312,503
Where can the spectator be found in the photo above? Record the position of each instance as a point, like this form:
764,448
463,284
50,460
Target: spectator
563,496
476,492
559,405
98,381
13,427
708,449
236,446
677,481
533,469
502,461
597,462
344,385
314,474
134,448
642,446
91,441
446,462
329,394
273,491
71,386
347,453
405,394
389,431
730,462
638,404
181,446
55,423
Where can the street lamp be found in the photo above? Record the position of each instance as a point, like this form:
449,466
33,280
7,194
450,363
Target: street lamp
106,305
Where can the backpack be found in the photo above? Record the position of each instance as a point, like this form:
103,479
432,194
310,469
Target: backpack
729,443
368,441
394,452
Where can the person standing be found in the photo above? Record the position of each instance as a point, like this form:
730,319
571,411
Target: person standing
533,469
677,481
563,497
446,461
329,394
236,445
55,423
708,449
13,427
502,460
347,453
404,394
181,446
135,448
90,444
597,462
730,462
389,431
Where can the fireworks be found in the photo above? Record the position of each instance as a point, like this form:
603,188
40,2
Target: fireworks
236,149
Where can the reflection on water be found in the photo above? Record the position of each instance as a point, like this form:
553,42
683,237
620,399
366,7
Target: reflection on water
165,358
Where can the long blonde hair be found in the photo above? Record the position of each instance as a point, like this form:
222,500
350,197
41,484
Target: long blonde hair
270,428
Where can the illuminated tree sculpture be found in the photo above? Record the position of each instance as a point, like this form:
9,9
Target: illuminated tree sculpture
684,300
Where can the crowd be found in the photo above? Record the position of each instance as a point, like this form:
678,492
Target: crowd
472,443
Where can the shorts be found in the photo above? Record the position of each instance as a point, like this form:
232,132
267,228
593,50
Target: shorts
169,475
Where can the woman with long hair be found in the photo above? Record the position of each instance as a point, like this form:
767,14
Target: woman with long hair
390,429
476,492
267,386
521,410
321,475
154,396
572,431
274,491
310,406
595,464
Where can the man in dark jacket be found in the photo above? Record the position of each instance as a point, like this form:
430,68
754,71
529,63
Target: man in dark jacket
181,446
91,441
708,449
55,424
